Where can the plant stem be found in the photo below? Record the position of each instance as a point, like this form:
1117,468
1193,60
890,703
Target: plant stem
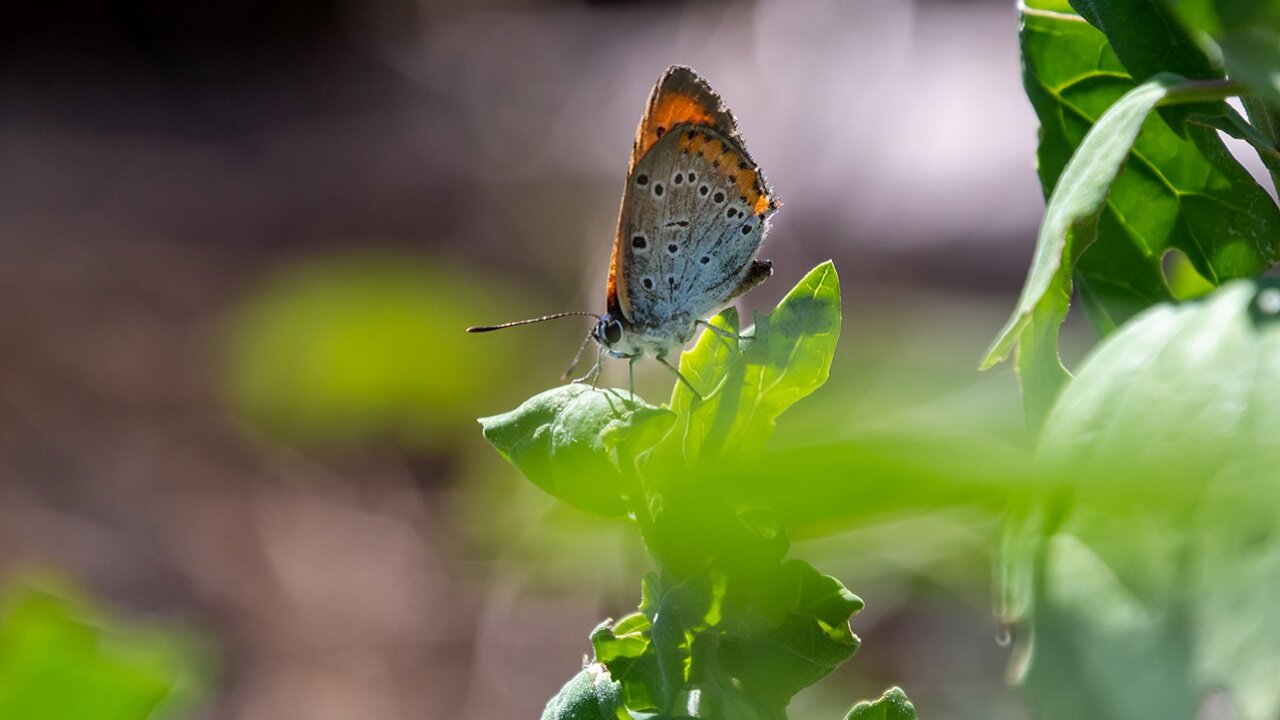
1197,91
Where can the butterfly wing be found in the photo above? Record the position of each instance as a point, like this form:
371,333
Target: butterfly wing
694,210
681,97
695,216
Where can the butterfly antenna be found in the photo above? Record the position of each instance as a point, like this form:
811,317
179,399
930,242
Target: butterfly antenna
530,321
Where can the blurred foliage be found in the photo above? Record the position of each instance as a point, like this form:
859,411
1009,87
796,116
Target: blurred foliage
727,628
62,658
1245,33
1147,580
1140,566
361,347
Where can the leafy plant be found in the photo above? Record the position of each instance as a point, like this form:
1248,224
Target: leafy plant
62,658
1108,230
728,626
1142,575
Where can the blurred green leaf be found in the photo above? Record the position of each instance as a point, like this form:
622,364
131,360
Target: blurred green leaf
893,705
1111,227
1101,652
1247,33
1196,375
60,658
354,347
562,440
590,695
1157,583
835,486
1236,576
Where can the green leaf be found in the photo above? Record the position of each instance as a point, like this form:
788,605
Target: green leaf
1070,225
726,629
708,363
651,652
789,358
1112,228
1263,138
625,649
1235,580
697,527
786,356
59,658
1099,651
836,486
590,695
812,639
747,642
1160,583
893,705
567,441
1179,376
1246,32
1148,38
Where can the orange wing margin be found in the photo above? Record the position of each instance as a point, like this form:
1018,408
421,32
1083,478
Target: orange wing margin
681,97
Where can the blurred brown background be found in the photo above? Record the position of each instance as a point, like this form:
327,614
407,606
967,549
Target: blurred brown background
238,245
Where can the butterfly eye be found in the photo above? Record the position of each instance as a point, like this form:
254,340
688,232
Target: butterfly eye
613,332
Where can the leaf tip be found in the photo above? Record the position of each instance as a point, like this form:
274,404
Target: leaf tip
1000,347
892,705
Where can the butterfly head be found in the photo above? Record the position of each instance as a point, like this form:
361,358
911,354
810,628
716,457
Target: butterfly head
607,331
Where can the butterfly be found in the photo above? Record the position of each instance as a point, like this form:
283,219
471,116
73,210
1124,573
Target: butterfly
694,213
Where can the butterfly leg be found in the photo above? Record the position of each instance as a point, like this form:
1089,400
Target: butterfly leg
631,378
682,378
719,331
594,373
